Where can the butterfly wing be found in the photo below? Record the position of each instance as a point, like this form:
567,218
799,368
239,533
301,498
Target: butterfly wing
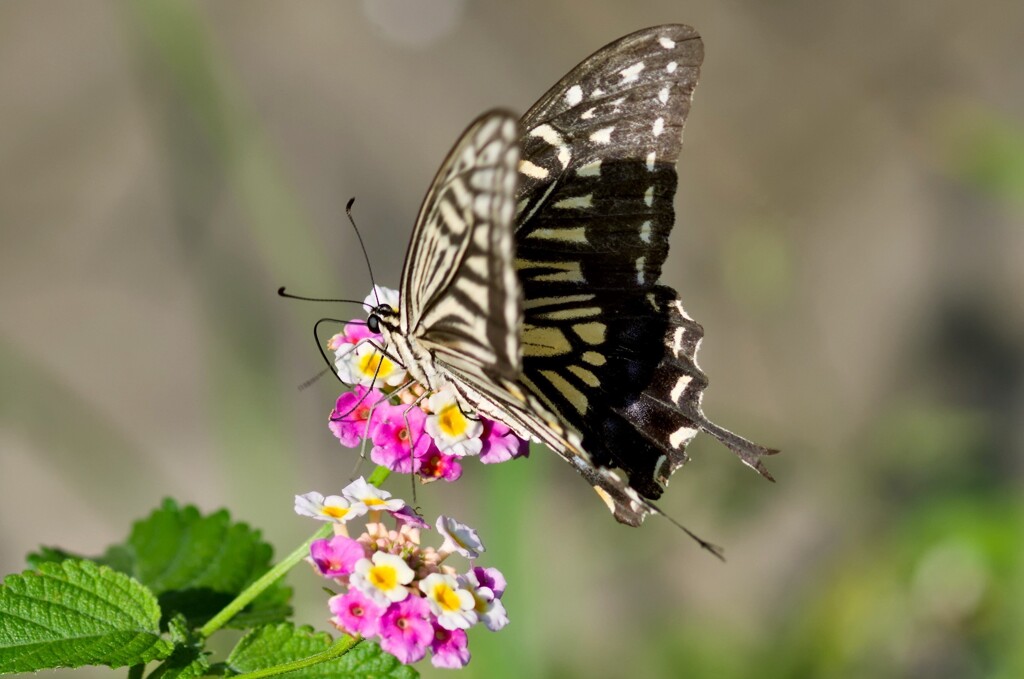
461,300
606,348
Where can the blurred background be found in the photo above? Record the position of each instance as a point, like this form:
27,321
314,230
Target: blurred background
850,233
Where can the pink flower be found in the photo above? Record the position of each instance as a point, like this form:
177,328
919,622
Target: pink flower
438,465
408,516
354,332
486,604
501,444
405,629
336,557
399,441
351,417
355,613
450,648
490,578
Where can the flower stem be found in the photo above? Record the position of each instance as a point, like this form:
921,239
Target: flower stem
268,578
274,574
379,475
340,647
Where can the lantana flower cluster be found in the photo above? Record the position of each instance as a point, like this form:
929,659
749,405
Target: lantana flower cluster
396,591
409,430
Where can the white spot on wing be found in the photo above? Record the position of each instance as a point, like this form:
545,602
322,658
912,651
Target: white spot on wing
596,93
645,231
671,68
659,126
649,196
650,161
574,95
531,170
640,263
680,437
588,114
667,43
576,202
632,73
591,169
602,136
548,134
663,95
681,384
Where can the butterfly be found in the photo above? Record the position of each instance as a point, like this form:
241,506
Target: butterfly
530,286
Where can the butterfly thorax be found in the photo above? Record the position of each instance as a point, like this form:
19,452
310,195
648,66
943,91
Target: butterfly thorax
417,360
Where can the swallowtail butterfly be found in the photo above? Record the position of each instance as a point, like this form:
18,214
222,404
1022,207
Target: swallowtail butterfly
530,286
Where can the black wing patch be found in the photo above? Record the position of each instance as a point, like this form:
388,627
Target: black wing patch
605,347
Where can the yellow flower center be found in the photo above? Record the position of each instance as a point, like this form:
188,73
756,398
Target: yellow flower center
373,501
383,577
452,421
446,597
375,364
336,512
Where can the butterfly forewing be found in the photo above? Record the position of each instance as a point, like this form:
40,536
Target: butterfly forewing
461,300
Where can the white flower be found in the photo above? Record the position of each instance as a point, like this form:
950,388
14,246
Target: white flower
489,608
383,579
381,295
362,494
458,537
452,605
364,363
331,508
452,431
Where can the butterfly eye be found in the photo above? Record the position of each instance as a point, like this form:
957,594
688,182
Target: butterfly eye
373,323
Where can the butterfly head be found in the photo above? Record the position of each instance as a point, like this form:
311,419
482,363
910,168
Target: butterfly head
383,320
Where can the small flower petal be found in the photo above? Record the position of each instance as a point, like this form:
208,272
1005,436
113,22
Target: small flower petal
488,577
361,493
452,430
331,508
438,465
453,606
408,516
382,578
458,537
399,439
356,415
381,295
405,629
450,648
500,444
355,613
336,557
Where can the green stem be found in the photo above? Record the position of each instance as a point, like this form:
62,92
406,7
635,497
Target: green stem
270,577
379,475
340,647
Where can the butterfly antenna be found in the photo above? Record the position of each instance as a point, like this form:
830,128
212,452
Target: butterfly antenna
362,245
287,295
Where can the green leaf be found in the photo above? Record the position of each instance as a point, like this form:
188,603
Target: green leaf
77,613
278,644
189,658
50,555
197,564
